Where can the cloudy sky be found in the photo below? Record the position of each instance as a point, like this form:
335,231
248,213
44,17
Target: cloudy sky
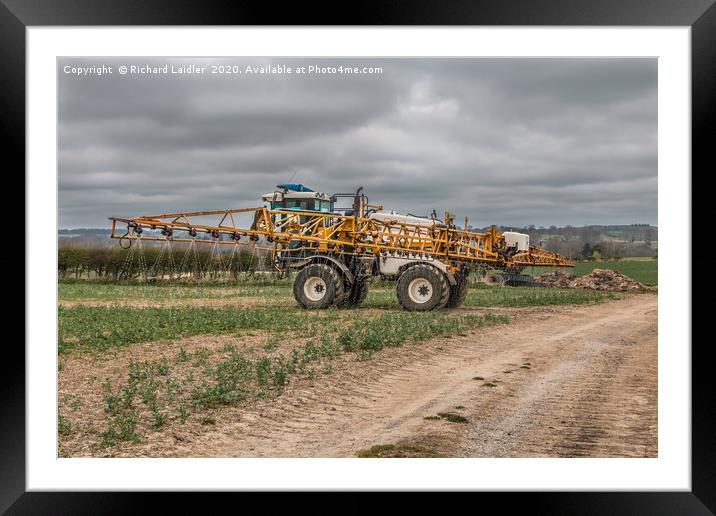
503,141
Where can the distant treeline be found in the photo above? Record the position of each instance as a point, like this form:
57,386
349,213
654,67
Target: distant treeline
594,242
77,260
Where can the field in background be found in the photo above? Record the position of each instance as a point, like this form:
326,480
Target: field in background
643,270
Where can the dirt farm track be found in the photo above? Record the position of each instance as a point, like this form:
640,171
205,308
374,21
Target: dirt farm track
558,381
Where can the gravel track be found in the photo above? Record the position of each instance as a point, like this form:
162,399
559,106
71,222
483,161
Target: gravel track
568,381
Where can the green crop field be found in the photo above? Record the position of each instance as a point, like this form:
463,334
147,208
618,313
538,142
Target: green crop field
110,291
643,270
100,315
104,315
278,294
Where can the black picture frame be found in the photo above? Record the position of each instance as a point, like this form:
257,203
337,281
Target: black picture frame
700,15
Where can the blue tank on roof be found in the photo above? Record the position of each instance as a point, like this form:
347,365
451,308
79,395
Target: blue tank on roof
295,187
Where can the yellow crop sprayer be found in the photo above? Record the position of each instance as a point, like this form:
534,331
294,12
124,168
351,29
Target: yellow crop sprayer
336,250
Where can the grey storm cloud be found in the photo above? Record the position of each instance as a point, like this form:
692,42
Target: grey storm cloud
502,141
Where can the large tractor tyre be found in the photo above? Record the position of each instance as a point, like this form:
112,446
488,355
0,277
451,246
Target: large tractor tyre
446,292
494,279
458,292
317,286
357,294
421,288
343,290
360,292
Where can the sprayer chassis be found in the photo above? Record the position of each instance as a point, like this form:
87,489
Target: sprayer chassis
334,254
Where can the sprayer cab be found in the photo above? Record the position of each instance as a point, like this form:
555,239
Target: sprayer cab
298,197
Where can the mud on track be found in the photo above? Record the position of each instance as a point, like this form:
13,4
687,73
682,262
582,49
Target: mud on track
568,381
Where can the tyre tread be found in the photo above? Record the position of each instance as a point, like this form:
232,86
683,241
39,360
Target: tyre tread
421,270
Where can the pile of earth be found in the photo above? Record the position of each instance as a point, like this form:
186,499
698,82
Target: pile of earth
605,279
556,279
598,279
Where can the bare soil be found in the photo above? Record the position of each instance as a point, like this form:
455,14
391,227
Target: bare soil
563,381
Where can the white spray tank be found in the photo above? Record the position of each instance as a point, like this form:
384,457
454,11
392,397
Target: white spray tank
519,240
387,216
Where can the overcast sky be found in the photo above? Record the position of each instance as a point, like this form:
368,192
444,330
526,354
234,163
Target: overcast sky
504,141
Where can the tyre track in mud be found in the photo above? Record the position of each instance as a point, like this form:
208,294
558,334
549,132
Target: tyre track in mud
568,382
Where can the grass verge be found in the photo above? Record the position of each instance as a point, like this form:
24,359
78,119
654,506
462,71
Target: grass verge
402,450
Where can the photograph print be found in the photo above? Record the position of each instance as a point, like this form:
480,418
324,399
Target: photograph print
357,257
